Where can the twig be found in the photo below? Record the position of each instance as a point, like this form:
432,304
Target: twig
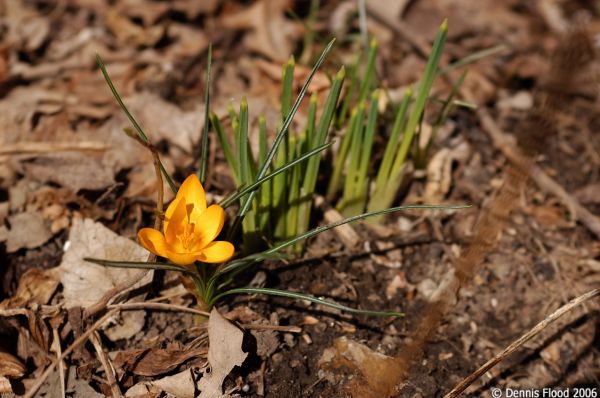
108,191
460,387
157,306
46,147
174,307
61,369
159,181
108,368
104,301
80,340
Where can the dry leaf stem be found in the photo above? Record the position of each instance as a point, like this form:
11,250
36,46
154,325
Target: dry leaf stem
537,329
107,365
80,340
181,308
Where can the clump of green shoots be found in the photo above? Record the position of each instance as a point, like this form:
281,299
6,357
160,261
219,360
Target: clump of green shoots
277,185
362,122
282,207
354,156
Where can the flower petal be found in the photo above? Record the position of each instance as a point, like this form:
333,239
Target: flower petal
181,258
192,191
209,224
176,223
153,241
169,212
217,252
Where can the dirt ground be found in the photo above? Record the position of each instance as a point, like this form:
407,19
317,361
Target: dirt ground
64,158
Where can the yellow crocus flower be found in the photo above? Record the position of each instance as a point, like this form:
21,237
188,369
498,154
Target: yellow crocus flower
190,229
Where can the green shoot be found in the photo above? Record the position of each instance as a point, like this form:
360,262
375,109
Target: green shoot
134,122
204,143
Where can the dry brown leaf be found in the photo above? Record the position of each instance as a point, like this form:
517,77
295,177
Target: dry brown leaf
224,353
180,385
5,387
590,194
340,17
166,121
27,30
80,388
439,177
3,233
155,361
439,172
398,282
522,101
27,230
190,41
10,366
35,286
193,9
550,217
85,283
368,367
18,109
71,170
267,341
148,11
272,34
128,33
394,8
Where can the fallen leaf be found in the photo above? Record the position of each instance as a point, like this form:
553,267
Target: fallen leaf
267,342
271,33
165,120
148,12
5,387
35,286
193,9
439,172
3,233
394,9
224,353
71,170
439,177
26,29
590,194
551,217
128,33
190,41
154,361
373,373
27,230
522,101
339,19
180,385
18,109
10,366
398,282
85,283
